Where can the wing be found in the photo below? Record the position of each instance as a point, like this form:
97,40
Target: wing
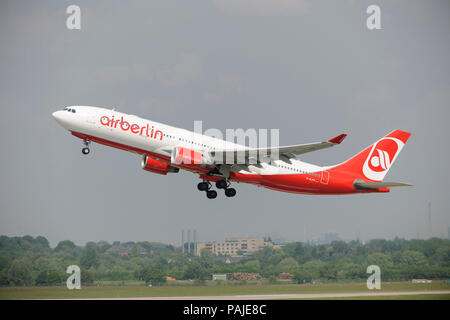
256,155
292,151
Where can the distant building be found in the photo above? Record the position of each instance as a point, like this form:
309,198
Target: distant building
330,237
234,246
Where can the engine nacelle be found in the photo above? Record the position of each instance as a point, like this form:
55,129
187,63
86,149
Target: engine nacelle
184,156
156,166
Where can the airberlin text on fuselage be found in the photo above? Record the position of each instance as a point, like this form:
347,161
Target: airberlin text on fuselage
134,128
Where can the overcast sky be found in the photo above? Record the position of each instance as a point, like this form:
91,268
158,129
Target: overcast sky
311,69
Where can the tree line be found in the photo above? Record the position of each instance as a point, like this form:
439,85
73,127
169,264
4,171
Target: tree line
27,261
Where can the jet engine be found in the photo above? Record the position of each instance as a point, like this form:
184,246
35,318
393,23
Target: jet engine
156,166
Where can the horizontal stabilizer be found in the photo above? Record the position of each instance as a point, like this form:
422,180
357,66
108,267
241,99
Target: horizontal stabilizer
376,185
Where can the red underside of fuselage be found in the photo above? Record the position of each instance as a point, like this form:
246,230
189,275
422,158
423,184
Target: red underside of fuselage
335,183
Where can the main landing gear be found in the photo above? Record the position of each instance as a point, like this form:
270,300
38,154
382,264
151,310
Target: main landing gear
206,186
86,149
221,184
224,184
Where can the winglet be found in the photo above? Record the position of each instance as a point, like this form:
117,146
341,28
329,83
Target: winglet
338,139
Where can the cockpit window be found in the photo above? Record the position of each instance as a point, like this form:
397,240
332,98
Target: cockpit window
70,110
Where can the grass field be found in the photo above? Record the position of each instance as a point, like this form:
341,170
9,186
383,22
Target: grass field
105,291
399,297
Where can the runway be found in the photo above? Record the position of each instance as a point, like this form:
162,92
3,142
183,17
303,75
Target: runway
283,296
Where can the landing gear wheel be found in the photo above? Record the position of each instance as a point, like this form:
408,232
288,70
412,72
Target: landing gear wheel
221,184
230,192
86,143
211,194
203,186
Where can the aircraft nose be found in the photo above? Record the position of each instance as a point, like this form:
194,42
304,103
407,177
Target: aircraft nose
60,117
57,115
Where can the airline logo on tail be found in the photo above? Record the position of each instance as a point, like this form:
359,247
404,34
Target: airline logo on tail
381,157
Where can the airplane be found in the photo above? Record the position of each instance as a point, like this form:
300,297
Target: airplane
165,149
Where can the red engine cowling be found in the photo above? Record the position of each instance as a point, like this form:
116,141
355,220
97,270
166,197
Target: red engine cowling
156,166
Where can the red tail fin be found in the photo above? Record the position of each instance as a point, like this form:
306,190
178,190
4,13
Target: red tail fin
375,161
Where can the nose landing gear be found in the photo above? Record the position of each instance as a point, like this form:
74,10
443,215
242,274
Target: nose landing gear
86,149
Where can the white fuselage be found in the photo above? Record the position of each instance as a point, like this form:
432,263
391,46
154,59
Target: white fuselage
158,138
